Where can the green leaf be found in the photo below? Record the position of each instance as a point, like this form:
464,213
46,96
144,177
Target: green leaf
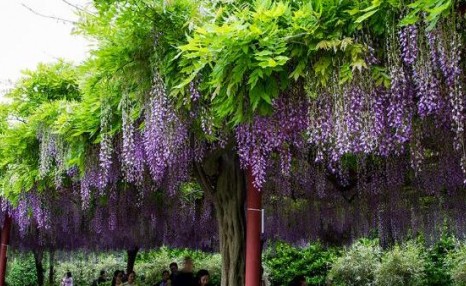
359,64
255,95
298,71
270,91
366,16
322,65
346,74
410,19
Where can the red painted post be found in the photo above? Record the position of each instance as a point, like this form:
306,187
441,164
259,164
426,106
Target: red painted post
253,231
5,239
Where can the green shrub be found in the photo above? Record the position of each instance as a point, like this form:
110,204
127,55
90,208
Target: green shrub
456,263
21,270
438,270
282,262
86,267
357,266
402,266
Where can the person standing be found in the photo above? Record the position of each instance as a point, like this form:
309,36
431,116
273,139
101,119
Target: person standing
117,278
202,277
173,270
185,277
165,279
101,279
67,280
131,279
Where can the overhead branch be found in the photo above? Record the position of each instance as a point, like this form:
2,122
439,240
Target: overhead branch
77,7
48,16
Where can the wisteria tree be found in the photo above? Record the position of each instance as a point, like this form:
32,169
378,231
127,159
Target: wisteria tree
353,98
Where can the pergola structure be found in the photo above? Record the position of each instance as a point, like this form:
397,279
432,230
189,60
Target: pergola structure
366,94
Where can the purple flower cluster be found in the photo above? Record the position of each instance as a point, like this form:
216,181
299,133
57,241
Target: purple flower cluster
449,45
106,147
91,179
165,136
193,91
359,120
132,154
21,215
371,59
428,91
52,151
400,109
257,141
408,42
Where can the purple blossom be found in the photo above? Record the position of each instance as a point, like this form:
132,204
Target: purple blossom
408,42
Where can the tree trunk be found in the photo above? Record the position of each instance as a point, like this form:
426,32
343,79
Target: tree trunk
223,178
132,253
38,255
51,262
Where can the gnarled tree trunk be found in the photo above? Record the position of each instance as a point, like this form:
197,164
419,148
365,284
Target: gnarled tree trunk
51,265
132,253
222,177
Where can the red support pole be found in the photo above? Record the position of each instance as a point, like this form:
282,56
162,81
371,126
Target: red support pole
253,232
4,248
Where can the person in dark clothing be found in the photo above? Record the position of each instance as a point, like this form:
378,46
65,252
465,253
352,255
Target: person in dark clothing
299,280
202,277
173,270
117,278
165,279
185,277
102,278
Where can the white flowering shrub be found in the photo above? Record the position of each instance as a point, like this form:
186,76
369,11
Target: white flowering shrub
86,268
456,262
357,265
402,266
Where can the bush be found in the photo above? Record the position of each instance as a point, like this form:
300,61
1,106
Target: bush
403,266
86,267
357,266
456,263
21,270
283,261
438,270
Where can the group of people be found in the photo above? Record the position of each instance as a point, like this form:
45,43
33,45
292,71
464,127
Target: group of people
185,276
119,278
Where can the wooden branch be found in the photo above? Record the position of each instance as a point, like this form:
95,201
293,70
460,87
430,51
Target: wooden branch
47,16
202,178
76,7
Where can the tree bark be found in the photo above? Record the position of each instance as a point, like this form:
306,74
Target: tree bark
38,255
223,178
51,264
132,253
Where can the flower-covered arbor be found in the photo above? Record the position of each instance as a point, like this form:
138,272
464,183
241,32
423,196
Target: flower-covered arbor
323,101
